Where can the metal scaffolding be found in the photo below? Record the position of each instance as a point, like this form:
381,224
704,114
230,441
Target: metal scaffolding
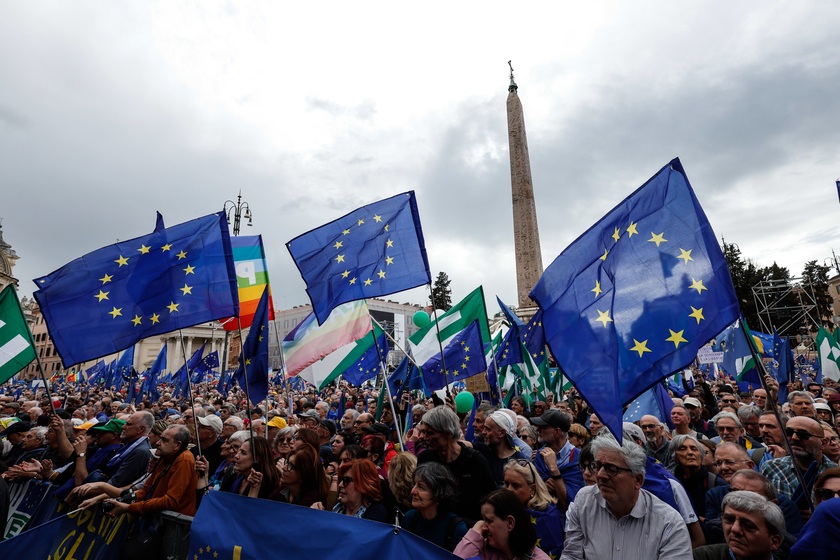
784,304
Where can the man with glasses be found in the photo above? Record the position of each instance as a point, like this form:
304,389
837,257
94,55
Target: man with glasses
760,398
753,527
656,445
209,428
806,440
731,457
732,431
616,518
363,421
231,425
309,419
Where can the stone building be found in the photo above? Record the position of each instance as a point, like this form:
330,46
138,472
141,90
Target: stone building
7,262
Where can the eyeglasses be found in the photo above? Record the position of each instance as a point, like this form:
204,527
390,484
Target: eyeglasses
803,435
719,464
345,480
287,439
649,426
290,466
727,428
826,493
611,470
296,438
746,525
524,463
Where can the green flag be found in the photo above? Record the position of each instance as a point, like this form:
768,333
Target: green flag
829,352
743,364
425,343
17,348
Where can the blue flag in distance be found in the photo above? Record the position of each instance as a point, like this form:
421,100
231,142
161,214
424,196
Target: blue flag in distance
373,251
254,359
633,298
111,298
368,364
464,357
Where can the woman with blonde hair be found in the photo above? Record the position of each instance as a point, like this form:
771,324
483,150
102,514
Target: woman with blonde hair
401,480
521,479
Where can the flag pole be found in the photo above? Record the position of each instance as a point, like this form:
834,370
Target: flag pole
189,390
283,367
496,368
397,344
440,342
762,374
43,377
247,391
385,383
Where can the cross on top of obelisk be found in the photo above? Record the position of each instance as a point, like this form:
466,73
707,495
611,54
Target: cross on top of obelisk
512,86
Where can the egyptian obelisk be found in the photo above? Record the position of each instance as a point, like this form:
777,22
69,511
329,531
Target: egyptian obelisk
526,232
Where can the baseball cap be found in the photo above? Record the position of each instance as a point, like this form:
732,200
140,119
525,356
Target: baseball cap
378,428
634,430
87,425
311,413
691,401
330,425
277,422
213,422
113,426
16,428
822,406
552,417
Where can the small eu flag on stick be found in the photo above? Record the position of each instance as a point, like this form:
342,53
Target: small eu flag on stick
373,251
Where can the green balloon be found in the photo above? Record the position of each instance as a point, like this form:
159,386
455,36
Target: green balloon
421,319
464,402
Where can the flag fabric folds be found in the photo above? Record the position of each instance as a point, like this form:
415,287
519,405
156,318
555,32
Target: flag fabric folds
157,368
309,342
251,278
463,357
17,348
209,362
829,355
633,298
655,402
125,364
373,251
107,300
369,364
96,373
254,359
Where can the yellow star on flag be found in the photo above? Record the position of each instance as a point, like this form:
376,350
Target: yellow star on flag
166,247
248,362
686,255
657,238
616,235
102,295
136,320
361,222
381,273
697,285
389,260
631,230
143,249
189,269
378,218
597,289
345,274
676,338
604,256
115,312
155,318
173,307
186,289
386,227
105,279
368,282
389,243
340,258
604,317
181,255
641,347
338,245
352,280
346,231
697,314
122,260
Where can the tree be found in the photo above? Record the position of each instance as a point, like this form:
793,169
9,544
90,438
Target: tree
441,293
817,276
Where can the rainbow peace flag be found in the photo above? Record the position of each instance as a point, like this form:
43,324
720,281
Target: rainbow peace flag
251,277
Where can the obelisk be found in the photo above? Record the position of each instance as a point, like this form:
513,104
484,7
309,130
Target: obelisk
526,232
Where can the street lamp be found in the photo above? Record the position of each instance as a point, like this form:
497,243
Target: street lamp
237,208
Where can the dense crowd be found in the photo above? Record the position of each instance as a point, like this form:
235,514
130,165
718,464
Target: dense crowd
536,480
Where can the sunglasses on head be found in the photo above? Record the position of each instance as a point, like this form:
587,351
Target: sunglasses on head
803,435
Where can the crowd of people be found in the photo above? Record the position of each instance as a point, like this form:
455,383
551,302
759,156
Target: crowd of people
539,479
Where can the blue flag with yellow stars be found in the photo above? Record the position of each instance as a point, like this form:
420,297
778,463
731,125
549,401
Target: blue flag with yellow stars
373,251
550,526
109,299
182,376
463,356
253,363
368,364
515,322
633,299
533,337
654,402
97,373
209,362
124,365
153,379
510,351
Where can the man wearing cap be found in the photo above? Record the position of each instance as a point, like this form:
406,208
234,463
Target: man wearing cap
15,434
824,413
209,428
498,447
309,418
129,463
556,452
10,408
325,430
695,413
274,425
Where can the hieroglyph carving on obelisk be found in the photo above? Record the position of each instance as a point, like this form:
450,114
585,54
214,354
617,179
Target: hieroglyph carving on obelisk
526,232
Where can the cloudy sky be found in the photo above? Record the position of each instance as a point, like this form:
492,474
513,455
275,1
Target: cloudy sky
111,111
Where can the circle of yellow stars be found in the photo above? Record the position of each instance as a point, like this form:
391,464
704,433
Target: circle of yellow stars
340,256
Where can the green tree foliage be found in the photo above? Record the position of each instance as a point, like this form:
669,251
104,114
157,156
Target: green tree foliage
441,293
817,276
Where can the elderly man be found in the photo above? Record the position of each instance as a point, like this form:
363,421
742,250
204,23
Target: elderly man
731,430
681,419
616,518
442,430
656,445
553,427
323,409
595,424
348,419
806,437
731,457
760,398
483,410
498,447
364,420
309,418
15,434
801,404
131,462
752,526
209,429
231,425
173,480
695,413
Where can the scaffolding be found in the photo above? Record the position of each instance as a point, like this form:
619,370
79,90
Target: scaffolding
784,304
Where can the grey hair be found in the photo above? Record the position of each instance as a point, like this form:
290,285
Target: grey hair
182,435
731,416
744,454
418,408
751,502
486,409
241,436
442,419
440,482
792,395
678,440
746,411
41,433
749,474
355,413
237,422
633,453
147,419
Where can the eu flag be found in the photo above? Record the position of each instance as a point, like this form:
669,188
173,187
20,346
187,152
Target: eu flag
633,299
463,356
533,338
124,366
254,358
209,362
113,297
157,369
510,351
97,372
373,251
368,364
